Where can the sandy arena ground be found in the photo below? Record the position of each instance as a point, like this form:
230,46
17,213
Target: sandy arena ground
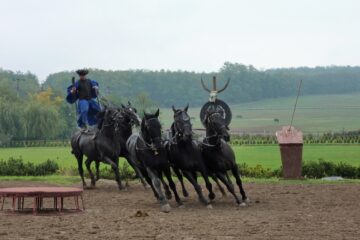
276,212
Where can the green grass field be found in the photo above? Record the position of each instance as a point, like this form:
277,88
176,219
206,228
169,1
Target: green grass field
317,113
268,156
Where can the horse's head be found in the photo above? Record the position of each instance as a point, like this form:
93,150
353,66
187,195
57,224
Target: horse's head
215,123
151,130
130,114
109,117
182,125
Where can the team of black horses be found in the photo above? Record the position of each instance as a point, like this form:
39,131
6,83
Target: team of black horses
152,157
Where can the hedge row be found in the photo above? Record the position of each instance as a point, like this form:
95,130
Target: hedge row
17,167
237,141
310,169
37,143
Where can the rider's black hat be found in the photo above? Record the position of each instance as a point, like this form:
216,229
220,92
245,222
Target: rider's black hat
82,72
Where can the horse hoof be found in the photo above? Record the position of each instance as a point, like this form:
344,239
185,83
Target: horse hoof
247,200
211,196
166,208
243,204
181,206
209,206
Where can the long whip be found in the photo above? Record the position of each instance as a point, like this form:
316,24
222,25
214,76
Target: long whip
73,85
297,97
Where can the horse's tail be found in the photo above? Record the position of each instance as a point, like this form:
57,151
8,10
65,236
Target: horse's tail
75,148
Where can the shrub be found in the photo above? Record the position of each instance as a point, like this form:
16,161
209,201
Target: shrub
257,172
17,167
322,168
346,170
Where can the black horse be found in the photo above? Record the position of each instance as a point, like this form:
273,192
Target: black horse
148,153
129,120
103,145
185,154
218,155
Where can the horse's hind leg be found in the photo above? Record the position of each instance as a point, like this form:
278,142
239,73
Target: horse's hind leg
167,173
216,180
80,169
180,177
88,167
97,166
115,166
228,185
236,173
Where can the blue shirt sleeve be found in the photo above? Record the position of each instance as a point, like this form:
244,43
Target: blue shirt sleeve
94,84
71,98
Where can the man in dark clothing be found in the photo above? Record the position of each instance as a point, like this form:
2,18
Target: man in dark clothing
85,90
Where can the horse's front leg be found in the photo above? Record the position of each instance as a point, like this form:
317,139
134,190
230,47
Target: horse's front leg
156,183
166,187
236,173
216,180
180,177
137,171
167,173
229,185
205,175
197,187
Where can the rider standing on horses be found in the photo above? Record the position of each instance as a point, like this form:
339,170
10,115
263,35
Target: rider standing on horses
85,91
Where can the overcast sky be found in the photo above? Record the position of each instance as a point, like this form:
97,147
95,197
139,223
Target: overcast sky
46,36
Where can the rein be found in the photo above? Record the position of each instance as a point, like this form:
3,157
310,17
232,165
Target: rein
148,146
212,136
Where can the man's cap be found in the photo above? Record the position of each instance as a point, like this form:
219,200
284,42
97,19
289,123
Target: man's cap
82,72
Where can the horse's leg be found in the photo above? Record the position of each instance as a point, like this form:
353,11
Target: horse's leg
216,180
137,171
88,167
148,179
80,169
229,185
207,182
189,176
236,173
167,173
156,183
180,177
97,166
165,186
115,168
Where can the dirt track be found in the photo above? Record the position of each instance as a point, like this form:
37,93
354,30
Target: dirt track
276,212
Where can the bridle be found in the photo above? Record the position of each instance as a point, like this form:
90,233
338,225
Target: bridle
115,121
148,146
178,131
211,125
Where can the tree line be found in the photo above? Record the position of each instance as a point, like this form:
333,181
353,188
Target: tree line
167,88
30,110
